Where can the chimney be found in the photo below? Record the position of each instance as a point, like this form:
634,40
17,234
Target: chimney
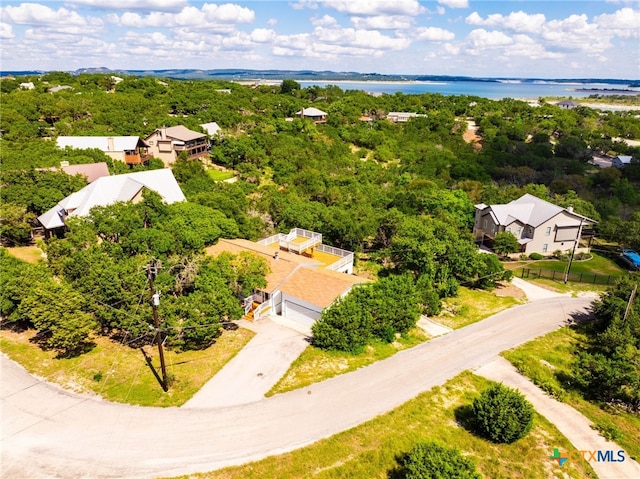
64,164
110,146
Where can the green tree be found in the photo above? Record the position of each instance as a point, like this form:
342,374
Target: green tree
429,460
502,414
344,326
504,243
15,224
56,311
289,86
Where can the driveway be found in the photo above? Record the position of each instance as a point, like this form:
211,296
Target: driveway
51,433
570,422
255,369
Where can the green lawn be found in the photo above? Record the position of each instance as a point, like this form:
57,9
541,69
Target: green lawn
547,361
315,365
596,265
472,305
121,374
217,175
370,450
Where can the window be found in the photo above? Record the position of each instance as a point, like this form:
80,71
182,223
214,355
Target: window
518,231
545,247
484,224
547,231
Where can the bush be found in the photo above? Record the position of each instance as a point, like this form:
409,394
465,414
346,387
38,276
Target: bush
502,414
535,256
429,460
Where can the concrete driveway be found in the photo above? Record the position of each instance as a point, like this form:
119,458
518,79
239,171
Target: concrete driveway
255,369
51,433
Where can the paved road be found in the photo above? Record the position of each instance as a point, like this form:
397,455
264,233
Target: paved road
255,370
570,422
47,432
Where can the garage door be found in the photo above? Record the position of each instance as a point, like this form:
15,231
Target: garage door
300,314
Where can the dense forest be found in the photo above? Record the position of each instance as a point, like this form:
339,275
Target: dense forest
399,194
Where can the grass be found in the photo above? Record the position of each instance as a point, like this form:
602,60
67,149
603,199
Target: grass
30,254
548,362
570,287
121,374
472,305
596,265
217,175
371,450
315,365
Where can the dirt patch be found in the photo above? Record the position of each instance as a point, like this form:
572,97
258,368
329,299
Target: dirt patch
470,135
30,254
504,289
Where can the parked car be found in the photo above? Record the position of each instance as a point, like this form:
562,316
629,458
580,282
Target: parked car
630,259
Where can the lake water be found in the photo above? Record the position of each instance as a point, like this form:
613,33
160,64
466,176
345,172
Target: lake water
492,90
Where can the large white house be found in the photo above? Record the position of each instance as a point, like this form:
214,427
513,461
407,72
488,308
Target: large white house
539,226
130,149
108,190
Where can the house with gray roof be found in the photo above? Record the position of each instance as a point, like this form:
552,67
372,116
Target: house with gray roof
131,150
539,226
108,190
318,116
167,143
621,161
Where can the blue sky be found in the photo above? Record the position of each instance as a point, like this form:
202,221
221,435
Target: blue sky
546,39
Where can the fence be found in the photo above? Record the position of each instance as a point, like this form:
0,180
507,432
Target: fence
573,277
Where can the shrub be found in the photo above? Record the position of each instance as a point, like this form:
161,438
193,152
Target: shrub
535,256
502,414
429,460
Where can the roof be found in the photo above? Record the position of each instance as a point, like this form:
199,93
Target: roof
92,171
211,128
311,112
281,268
529,210
624,159
120,143
108,190
179,132
293,274
320,287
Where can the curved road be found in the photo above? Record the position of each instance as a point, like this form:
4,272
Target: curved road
48,432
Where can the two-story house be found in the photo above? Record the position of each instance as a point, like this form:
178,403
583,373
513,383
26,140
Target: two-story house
168,142
539,226
131,150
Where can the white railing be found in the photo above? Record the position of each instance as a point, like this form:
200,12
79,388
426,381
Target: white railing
261,311
247,302
287,241
347,260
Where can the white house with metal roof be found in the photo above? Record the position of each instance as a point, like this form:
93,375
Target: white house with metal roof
314,114
130,149
539,226
108,190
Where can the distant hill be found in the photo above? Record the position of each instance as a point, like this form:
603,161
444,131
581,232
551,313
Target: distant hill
326,75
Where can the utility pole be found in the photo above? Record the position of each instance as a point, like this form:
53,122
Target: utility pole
152,271
631,298
573,251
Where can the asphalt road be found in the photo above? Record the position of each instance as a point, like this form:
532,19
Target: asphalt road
50,433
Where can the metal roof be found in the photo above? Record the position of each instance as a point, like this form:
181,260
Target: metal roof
120,143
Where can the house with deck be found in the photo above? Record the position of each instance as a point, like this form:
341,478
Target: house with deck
402,116
318,116
131,150
539,226
167,143
306,275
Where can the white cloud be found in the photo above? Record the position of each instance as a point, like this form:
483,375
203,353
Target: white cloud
455,3
434,34
624,23
272,22
209,16
263,35
36,14
369,7
6,31
516,21
326,20
481,39
525,46
359,38
382,22
575,33
149,5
